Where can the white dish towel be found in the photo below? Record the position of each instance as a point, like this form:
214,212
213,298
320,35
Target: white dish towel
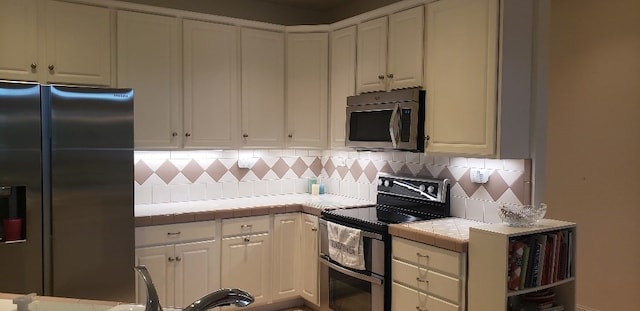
346,246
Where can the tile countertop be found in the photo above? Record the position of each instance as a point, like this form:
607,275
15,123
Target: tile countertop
449,233
167,213
46,303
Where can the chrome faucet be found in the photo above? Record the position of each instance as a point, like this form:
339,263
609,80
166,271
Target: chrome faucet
219,298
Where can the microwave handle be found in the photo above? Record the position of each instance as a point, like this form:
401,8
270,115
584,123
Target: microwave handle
394,129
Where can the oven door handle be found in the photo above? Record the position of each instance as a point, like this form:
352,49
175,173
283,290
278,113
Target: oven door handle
371,279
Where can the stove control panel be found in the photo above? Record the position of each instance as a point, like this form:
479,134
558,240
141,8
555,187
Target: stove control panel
428,189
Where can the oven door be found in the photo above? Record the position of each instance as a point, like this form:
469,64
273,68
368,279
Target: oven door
383,126
345,289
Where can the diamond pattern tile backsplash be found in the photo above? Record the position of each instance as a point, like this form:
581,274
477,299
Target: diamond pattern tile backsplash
178,176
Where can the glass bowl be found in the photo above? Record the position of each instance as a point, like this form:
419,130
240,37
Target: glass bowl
522,215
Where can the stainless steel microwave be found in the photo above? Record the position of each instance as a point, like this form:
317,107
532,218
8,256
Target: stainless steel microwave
386,120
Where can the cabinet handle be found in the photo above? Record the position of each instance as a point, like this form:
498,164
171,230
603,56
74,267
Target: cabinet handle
247,239
422,256
178,258
420,309
173,233
51,67
174,134
246,226
314,229
245,135
171,259
187,134
381,77
34,65
390,76
422,280
290,135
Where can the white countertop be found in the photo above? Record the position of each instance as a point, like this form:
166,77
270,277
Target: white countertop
322,201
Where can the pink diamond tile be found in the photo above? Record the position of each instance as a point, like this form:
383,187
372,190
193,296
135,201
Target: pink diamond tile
466,184
238,172
299,167
192,171
356,170
142,172
386,168
445,173
405,171
316,166
329,167
496,186
260,168
371,171
167,171
424,172
216,170
280,168
342,171
518,188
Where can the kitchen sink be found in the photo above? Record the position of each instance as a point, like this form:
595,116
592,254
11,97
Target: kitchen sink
134,307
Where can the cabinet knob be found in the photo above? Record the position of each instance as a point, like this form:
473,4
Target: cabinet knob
51,67
171,259
390,76
247,239
178,258
290,135
245,135
314,229
381,77
34,65
187,134
174,134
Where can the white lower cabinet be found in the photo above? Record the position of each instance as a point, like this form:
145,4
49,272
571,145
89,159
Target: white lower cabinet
182,271
286,256
309,251
426,277
246,256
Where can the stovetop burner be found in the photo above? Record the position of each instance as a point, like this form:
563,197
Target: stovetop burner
399,200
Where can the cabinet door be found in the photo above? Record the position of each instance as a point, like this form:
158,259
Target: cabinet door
372,55
286,259
307,79
78,46
343,81
211,85
262,88
406,48
157,260
245,264
149,62
309,250
462,55
18,25
197,268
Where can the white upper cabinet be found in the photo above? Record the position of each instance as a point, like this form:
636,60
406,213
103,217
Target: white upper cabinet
307,89
18,25
474,106
78,45
390,51
263,64
149,62
343,81
211,85
75,48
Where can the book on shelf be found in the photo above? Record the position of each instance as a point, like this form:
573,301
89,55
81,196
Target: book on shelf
516,251
525,266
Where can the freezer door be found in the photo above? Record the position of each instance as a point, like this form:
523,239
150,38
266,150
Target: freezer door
92,193
21,262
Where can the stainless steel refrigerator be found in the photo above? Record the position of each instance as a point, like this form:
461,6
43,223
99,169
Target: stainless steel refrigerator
66,178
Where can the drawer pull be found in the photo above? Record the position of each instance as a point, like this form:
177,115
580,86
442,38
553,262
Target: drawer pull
420,309
246,226
422,280
247,239
173,233
421,255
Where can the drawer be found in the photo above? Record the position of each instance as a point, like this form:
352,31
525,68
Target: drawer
245,225
175,233
431,257
404,298
428,281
